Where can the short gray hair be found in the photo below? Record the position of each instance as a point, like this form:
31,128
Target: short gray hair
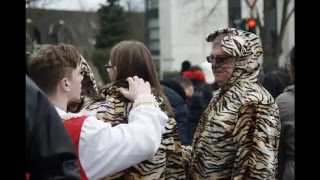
219,37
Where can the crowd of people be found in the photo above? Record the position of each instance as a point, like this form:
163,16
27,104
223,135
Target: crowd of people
231,124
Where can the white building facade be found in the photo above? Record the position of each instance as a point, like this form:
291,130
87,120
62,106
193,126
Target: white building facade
183,25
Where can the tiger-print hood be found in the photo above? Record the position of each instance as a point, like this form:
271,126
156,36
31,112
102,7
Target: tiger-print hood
246,47
89,85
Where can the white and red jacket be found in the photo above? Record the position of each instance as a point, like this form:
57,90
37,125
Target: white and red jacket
104,150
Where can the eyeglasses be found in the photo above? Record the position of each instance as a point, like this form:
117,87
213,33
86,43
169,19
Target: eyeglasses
106,67
218,60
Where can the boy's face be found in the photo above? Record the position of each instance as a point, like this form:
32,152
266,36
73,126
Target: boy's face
75,85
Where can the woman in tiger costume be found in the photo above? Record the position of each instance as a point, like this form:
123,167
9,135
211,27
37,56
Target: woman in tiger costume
238,134
132,58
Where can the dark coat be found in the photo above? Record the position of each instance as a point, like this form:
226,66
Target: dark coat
181,113
49,151
285,102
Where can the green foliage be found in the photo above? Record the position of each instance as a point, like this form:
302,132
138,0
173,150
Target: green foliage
114,26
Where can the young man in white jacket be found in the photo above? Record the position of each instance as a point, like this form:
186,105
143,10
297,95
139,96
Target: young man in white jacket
102,149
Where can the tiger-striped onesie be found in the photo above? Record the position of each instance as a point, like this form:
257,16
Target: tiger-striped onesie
167,163
238,134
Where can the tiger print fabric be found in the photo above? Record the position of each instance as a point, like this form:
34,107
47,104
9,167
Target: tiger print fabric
89,89
167,163
89,85
238,134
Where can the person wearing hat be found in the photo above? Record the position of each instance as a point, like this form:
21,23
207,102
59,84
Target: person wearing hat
238,134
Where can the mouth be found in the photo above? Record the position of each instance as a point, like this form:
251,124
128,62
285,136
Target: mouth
221,69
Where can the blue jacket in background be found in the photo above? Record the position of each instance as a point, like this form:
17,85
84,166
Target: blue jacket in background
181,113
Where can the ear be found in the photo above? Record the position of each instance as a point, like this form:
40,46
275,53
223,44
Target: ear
65,84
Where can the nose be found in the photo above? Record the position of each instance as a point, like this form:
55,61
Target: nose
214,64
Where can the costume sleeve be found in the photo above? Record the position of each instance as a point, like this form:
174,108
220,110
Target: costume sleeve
105,150
256,134
175,168
49,151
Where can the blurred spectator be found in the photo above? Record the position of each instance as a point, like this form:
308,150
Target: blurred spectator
273,83
185,65
176,86
181,110
195,103
195,75
285,102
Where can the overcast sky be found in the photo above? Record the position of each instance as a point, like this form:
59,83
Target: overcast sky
86,5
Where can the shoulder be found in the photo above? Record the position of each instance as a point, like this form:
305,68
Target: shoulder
250,93
285,101
284,97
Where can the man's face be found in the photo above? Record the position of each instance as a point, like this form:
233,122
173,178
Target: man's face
75,85
222,65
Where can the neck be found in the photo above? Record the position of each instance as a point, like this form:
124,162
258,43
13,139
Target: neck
60,101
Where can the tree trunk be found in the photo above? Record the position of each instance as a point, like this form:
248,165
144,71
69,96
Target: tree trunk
269,60
273,48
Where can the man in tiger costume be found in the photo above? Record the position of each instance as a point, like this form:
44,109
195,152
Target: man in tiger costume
238,134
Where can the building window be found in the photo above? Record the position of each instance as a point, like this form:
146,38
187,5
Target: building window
153,23
153,4
234,9
154,34
154,45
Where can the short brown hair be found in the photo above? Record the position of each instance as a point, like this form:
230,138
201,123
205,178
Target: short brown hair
52,63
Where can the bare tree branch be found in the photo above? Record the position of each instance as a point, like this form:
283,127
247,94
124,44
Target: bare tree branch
283,23
81,5
289,15
214,8
205,18
186,2
258,20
